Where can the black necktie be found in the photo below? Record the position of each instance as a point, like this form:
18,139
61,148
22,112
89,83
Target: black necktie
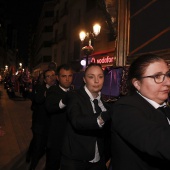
166,111
96,106
98,110
163,110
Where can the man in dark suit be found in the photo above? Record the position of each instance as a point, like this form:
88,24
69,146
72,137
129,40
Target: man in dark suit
56,110
84,142
40,119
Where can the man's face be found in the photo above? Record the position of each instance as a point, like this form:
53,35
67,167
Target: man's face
65,78
50,78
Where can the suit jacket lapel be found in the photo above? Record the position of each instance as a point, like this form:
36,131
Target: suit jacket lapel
152,113
86,100
167,110
157,116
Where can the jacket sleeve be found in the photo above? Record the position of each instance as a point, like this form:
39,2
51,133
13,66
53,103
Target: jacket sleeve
39,96
53,97
148,133
80,113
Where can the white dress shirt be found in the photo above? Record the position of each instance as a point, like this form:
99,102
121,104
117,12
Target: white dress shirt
97,155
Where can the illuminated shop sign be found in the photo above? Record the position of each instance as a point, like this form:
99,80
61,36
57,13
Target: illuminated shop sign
103,60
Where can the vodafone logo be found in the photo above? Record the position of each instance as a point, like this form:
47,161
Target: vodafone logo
103,60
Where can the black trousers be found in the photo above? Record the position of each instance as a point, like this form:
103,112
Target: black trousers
53,159
38,148
69,164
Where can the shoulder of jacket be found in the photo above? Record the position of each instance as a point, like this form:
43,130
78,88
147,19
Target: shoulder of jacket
75,94
54,87
135,101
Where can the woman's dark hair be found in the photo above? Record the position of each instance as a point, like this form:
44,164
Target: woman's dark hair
138,67
90,65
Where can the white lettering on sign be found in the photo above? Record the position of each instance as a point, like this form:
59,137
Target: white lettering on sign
103,60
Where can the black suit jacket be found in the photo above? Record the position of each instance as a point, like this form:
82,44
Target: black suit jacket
40,119
140,135
57,117
82,128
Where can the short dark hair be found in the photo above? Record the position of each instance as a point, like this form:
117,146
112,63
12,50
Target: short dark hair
63,66
138,67
91,65
44,73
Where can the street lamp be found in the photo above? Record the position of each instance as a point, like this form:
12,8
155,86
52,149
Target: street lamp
6,68
20,65
89,35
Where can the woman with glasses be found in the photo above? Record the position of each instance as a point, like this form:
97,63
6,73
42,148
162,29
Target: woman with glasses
141,120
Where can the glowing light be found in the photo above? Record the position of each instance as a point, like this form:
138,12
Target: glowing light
96,29
82,35
83,62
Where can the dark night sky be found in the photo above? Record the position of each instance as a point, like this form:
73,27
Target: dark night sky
23,13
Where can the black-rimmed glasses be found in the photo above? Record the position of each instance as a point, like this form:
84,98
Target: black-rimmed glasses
158,78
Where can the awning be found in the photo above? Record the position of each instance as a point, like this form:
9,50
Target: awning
102,52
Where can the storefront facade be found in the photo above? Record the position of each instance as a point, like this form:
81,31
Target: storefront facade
105,58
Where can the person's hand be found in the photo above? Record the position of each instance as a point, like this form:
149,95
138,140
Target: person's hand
105,116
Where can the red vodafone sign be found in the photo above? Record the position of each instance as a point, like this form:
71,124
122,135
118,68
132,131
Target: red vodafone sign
103,59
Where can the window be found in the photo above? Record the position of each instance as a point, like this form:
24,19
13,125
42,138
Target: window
47,58
48,29
77,17
56,35
148,26
76,50
63,54
49,14
64,30
90,4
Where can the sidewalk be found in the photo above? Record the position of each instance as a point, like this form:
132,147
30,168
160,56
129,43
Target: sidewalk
15,120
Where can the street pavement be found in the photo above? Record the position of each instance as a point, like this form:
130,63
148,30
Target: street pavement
15,120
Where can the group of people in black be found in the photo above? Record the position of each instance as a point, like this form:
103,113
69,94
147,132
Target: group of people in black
66,125
77,130
47,118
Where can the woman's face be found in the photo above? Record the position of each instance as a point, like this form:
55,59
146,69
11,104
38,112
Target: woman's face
149,88
94,79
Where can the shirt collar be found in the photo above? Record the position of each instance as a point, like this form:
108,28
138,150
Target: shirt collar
153,103
90,95
64,89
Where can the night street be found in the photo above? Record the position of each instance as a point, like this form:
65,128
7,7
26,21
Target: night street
15,120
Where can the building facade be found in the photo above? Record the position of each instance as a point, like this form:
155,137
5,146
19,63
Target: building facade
125,33
70,17
41,47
